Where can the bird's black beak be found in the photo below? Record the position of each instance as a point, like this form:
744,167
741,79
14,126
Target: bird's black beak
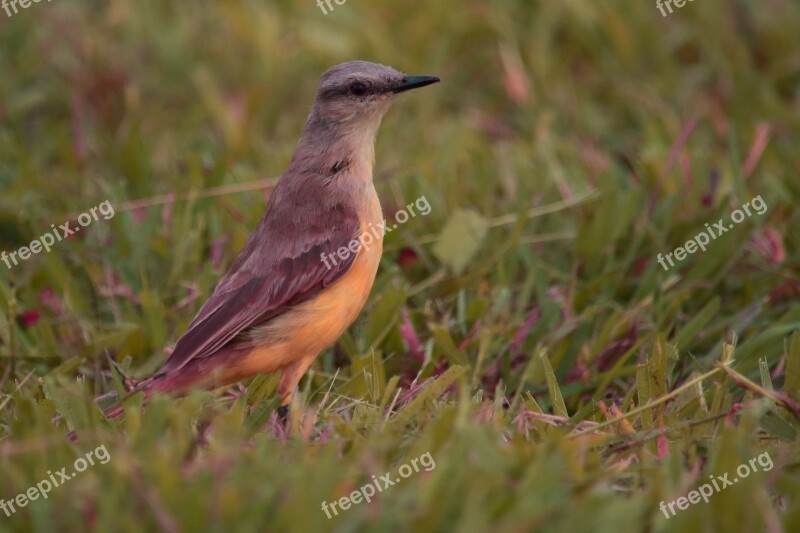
414,82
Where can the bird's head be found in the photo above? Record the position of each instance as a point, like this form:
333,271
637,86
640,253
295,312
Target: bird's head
358,93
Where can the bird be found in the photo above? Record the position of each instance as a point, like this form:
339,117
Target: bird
281,304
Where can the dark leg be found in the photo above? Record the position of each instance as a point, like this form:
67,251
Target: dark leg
283,413
289,378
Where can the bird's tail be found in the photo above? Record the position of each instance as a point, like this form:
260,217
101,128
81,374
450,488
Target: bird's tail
116,409
148,387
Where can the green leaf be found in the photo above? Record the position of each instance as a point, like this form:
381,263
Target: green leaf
430,392
383,317
792,384
696,325
460,239
559,407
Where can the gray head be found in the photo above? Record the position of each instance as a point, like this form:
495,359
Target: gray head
359,93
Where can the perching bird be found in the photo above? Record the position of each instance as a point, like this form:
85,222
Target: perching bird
280,305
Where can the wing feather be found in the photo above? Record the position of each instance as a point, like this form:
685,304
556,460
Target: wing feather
260,285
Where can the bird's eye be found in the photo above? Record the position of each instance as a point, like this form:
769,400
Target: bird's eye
358,89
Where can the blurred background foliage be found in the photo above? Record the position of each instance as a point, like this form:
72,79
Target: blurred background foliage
523,332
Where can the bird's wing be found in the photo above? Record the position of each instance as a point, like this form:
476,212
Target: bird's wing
245,298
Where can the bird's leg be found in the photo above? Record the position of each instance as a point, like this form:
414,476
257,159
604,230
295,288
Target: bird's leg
289,379
283,413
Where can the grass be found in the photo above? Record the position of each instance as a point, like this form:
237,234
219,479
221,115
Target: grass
522,333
